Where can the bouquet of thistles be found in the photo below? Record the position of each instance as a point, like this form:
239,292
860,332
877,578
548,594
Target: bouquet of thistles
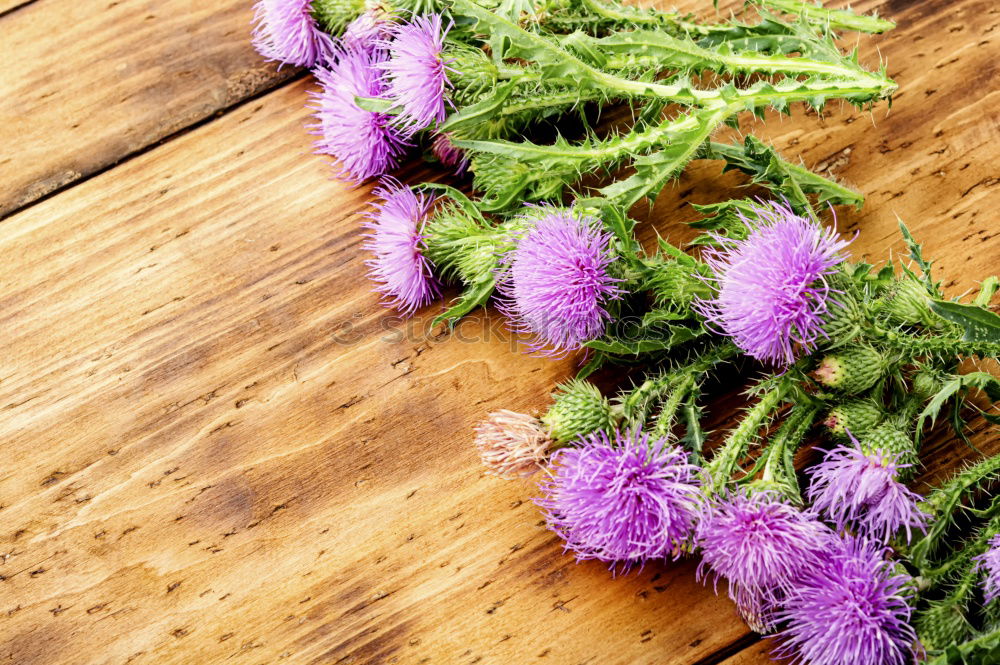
842,561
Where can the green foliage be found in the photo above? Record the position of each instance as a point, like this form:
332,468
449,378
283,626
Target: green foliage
837,19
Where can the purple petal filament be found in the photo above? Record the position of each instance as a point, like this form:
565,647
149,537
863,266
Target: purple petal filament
555,283
853,487
772,290
285,30
415,73
988,563
621,498
759,543
399,269
364,142
850,609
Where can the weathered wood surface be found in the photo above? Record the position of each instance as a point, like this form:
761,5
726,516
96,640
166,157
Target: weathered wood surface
218,446
86,84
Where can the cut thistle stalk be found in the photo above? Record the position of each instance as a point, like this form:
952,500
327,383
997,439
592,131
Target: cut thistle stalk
836,19
722,465
779,457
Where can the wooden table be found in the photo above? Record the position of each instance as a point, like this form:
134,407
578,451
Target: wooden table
218,447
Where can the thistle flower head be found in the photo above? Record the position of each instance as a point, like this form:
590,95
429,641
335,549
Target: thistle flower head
512,444
759,543
849,609
415,73
399,269
371,28
449,154
621,497
555,284
851,486
772,290
285,30
988,563
363,142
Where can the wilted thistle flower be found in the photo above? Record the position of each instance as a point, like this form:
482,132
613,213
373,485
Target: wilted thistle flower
415,73
759,543
772,286
853,486
364,142
285,30
399,269
989,564
849,609
512,444
621,498
555,282
449,154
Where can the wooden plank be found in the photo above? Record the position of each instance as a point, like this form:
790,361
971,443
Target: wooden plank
90,83
197,468
204,462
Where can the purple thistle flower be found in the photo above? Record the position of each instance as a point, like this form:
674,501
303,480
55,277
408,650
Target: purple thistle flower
364,142
401,272
555,282
369,30
759,543
850,609
772,288
285,30
852,486
989,563
626,499
449,155
512,444
416,71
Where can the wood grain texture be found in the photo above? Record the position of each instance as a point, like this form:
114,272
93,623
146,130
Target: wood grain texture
219,447
86,84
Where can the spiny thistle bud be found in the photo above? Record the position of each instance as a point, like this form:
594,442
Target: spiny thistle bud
334,15
460,245
926,384
471,72
941,624
857,416
888,438
850,371
842,320
671,283
512,444
908,304
579,409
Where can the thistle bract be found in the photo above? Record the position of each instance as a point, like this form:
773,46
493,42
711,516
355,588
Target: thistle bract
399,269
621,497
772,288
849,609
364,142
512,444
285,30
759,543
579,409
555,282
415,72
988,563
862,488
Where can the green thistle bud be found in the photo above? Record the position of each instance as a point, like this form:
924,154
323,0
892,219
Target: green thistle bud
888,438
926,384
852,370
857,416
470,71
943,623
579,409
334,15
462,246
909,304
671,283
843,322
